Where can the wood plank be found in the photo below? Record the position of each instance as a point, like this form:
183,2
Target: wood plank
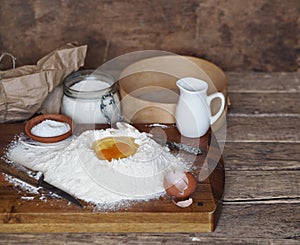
263,129
261,156
260,82
262,186
260,220
239,224
264,103
54,215
141,238
191,27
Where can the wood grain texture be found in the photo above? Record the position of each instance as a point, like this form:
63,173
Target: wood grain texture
237,35
142,238
265,103
264,128
262,186
262,82
261,156
20,215
261,200
268,224
260,220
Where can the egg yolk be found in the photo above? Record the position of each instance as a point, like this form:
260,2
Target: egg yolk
114,148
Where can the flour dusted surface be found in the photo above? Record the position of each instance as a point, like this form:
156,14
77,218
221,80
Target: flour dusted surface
76,169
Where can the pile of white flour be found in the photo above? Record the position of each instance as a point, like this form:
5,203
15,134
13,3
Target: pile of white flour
76,169
50,128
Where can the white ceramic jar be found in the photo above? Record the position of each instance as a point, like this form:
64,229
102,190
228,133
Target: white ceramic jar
91,96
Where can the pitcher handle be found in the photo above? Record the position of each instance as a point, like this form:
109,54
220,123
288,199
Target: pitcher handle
215,117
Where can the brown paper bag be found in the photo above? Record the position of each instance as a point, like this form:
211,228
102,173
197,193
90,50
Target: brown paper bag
24,89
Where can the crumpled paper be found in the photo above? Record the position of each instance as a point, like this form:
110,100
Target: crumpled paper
31,88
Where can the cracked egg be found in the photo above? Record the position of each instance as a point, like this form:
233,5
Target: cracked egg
118,147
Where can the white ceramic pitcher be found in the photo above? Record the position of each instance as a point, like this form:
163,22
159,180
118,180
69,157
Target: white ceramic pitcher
193,111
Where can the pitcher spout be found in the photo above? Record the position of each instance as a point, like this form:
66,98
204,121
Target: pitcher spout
191,85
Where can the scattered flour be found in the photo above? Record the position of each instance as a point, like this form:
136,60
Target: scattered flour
195,239
160,125
50,128
77,170
29,189
21,184
27,198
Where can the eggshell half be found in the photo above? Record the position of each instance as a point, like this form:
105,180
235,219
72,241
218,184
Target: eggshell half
181,186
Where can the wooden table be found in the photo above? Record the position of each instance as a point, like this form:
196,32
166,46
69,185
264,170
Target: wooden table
261,204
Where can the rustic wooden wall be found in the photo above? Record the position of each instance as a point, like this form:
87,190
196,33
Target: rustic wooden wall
260,35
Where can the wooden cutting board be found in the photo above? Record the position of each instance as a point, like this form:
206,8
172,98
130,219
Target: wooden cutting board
23,211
